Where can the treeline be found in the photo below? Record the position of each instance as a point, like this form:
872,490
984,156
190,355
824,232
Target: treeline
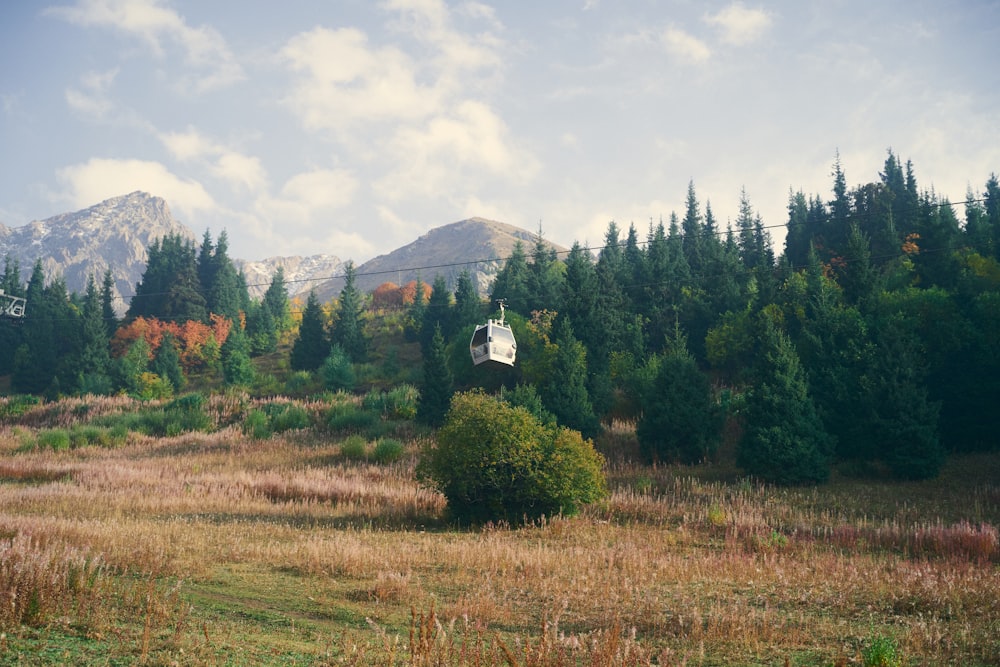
191,314
871,342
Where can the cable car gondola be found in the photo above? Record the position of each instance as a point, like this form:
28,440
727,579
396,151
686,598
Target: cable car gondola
12,306
493,342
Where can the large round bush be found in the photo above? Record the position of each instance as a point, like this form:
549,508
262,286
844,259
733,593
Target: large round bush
496,462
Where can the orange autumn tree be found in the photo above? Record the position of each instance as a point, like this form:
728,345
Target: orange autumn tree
192,337
387,295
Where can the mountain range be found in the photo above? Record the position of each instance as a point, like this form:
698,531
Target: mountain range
115,234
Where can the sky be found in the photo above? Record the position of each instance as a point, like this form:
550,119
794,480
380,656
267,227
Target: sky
351,128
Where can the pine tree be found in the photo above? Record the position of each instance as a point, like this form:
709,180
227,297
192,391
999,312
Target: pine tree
512,282
680,421
691,228
858,277
167,362
544,277
262,333
169,288
276,300
903,425
797,238
837,227
338,371
223,294
36,359
94,366
939,237
416,313
436,314
237,369
977,229
311,346
468,307
784,441
565,393
437,388
348,329
108,314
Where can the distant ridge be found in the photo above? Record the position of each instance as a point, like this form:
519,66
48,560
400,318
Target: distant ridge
115,234
476,245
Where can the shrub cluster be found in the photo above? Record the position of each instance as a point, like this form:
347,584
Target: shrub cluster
496,462
261,423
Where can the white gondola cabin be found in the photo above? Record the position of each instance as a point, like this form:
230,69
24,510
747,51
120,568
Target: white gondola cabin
11,306
493,342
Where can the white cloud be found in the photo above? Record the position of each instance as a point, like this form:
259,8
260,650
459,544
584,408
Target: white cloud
430,22
321,189
241,172
452,151
93,100
739,25
187,145
158,26
344,81
303,214
685,46
101,178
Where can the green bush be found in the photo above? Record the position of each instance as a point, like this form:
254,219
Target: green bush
337,371
56,439
181,415
257,425
387,450
496,462
290,418
349,418
400,402
354,448
17,405
881,651
301,383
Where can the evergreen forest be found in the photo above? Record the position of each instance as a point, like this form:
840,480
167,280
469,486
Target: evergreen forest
870,344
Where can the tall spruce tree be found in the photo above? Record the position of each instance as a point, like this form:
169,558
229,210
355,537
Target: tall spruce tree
311,346
565,393
437,387
348,329
680,421
903,422
512,283
223,293
468,307
167,362
544,277
108,314
276,300
784,439
237,369
94,366
437,313
36,358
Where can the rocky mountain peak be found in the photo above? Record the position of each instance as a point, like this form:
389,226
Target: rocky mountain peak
115,233
112,234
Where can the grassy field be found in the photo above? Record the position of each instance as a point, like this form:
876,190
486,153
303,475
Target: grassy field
120,548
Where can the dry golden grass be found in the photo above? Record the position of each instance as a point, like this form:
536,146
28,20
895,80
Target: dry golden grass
211,548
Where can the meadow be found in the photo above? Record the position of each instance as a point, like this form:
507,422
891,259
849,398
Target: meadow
233,530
